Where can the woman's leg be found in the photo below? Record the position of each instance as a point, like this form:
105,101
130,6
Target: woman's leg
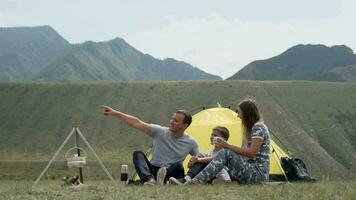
225,157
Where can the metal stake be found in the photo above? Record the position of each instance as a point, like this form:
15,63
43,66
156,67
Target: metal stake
78,151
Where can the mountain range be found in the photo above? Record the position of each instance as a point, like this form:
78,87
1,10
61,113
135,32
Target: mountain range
304,62
40,54
25,51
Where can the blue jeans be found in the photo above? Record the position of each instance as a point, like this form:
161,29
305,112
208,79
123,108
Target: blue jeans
146,170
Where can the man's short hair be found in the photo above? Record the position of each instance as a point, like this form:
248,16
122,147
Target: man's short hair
187,117
223,131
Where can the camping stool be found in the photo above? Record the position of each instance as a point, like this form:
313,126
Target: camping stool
75,161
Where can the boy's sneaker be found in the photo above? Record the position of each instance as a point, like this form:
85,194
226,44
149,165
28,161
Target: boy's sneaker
174,181
150,181
161,176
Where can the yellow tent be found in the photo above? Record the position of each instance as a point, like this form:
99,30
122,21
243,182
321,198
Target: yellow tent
205,120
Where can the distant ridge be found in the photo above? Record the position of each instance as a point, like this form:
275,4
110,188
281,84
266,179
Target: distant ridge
117,60
304,62
25,51
33,54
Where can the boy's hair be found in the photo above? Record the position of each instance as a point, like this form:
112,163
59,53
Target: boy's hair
223,131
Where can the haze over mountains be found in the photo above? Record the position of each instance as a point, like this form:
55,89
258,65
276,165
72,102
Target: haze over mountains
41,54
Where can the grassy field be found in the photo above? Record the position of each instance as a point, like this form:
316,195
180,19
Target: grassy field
100,190
316,121
30,170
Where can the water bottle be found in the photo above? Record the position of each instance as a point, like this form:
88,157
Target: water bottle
124,173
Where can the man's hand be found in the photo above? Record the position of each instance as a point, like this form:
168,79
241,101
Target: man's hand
107,110
192,161
127,119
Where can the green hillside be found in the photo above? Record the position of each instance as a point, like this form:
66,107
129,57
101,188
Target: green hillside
25,51
117,60
304,62
341,74
315,120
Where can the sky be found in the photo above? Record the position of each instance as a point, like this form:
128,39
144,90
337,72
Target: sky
217,36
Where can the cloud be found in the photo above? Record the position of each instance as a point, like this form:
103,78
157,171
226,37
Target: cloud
223,46
215,44
10,20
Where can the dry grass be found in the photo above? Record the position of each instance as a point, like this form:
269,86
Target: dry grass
11,190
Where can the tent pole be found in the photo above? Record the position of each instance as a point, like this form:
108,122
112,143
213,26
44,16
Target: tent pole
279,140
280,164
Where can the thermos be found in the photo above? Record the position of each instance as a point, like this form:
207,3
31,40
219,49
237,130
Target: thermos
124,173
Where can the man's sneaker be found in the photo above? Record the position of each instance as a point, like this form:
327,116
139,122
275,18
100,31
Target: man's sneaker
150,181
161,176
174,181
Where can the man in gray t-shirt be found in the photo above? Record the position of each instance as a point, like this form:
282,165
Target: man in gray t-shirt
170,146
168,149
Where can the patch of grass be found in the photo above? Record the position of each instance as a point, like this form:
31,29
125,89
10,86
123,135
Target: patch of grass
12,190
30,170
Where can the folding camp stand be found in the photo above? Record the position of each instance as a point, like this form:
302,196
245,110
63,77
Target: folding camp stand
77,132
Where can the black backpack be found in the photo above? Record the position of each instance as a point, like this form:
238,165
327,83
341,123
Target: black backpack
296,170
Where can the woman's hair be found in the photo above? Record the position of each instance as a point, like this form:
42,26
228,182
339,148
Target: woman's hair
223,131
250,114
